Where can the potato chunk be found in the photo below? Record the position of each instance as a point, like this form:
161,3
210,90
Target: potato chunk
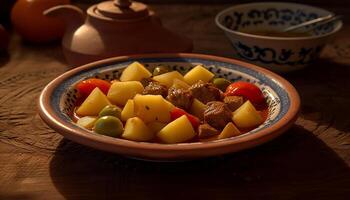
128,110
246,116
152,108
135,72
198,73
87,122
121,92
179,84
167,79
197,108
156,126
136,130
230,130
179,130
93,104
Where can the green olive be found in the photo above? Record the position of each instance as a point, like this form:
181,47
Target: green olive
160,70
110,110
109,125
221,83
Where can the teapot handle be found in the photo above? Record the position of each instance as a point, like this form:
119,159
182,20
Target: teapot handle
72,15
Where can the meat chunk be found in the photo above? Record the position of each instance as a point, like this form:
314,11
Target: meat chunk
147,81
233,102
155,88
205,131
217,114
180,97
205,92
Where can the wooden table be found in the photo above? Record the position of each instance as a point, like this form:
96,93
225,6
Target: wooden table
310,161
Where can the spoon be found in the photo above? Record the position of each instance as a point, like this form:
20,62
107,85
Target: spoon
320,20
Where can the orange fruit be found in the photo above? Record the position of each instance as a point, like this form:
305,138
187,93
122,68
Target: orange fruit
28,20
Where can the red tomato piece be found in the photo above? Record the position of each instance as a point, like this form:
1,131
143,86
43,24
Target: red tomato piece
85,87
178,112
246,90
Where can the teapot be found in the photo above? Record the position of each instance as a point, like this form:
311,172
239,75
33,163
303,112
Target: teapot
114,28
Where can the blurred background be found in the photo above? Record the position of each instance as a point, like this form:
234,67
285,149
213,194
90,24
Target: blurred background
5,5
41,30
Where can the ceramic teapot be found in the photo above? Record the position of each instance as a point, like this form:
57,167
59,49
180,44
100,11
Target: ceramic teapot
114,28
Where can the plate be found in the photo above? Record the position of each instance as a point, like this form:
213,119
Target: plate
58,99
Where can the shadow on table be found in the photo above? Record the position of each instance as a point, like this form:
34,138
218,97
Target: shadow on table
297,165
51,50
324,90
4,58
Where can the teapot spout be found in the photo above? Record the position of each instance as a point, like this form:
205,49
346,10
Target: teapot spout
71,15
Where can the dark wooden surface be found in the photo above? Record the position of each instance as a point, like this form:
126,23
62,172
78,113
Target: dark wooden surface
310,161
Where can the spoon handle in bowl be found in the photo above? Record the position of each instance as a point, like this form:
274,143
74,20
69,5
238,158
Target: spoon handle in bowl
310,22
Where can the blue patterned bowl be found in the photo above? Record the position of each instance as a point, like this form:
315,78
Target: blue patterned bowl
58,98
279,54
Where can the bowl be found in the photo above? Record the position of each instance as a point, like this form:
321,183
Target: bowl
57,101
279,54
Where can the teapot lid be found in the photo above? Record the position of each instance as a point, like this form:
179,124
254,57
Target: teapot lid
122,9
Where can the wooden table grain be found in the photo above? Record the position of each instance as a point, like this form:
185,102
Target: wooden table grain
310,161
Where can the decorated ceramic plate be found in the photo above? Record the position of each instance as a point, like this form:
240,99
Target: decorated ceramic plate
58,99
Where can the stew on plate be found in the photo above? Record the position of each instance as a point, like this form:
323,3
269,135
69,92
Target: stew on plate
167,107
